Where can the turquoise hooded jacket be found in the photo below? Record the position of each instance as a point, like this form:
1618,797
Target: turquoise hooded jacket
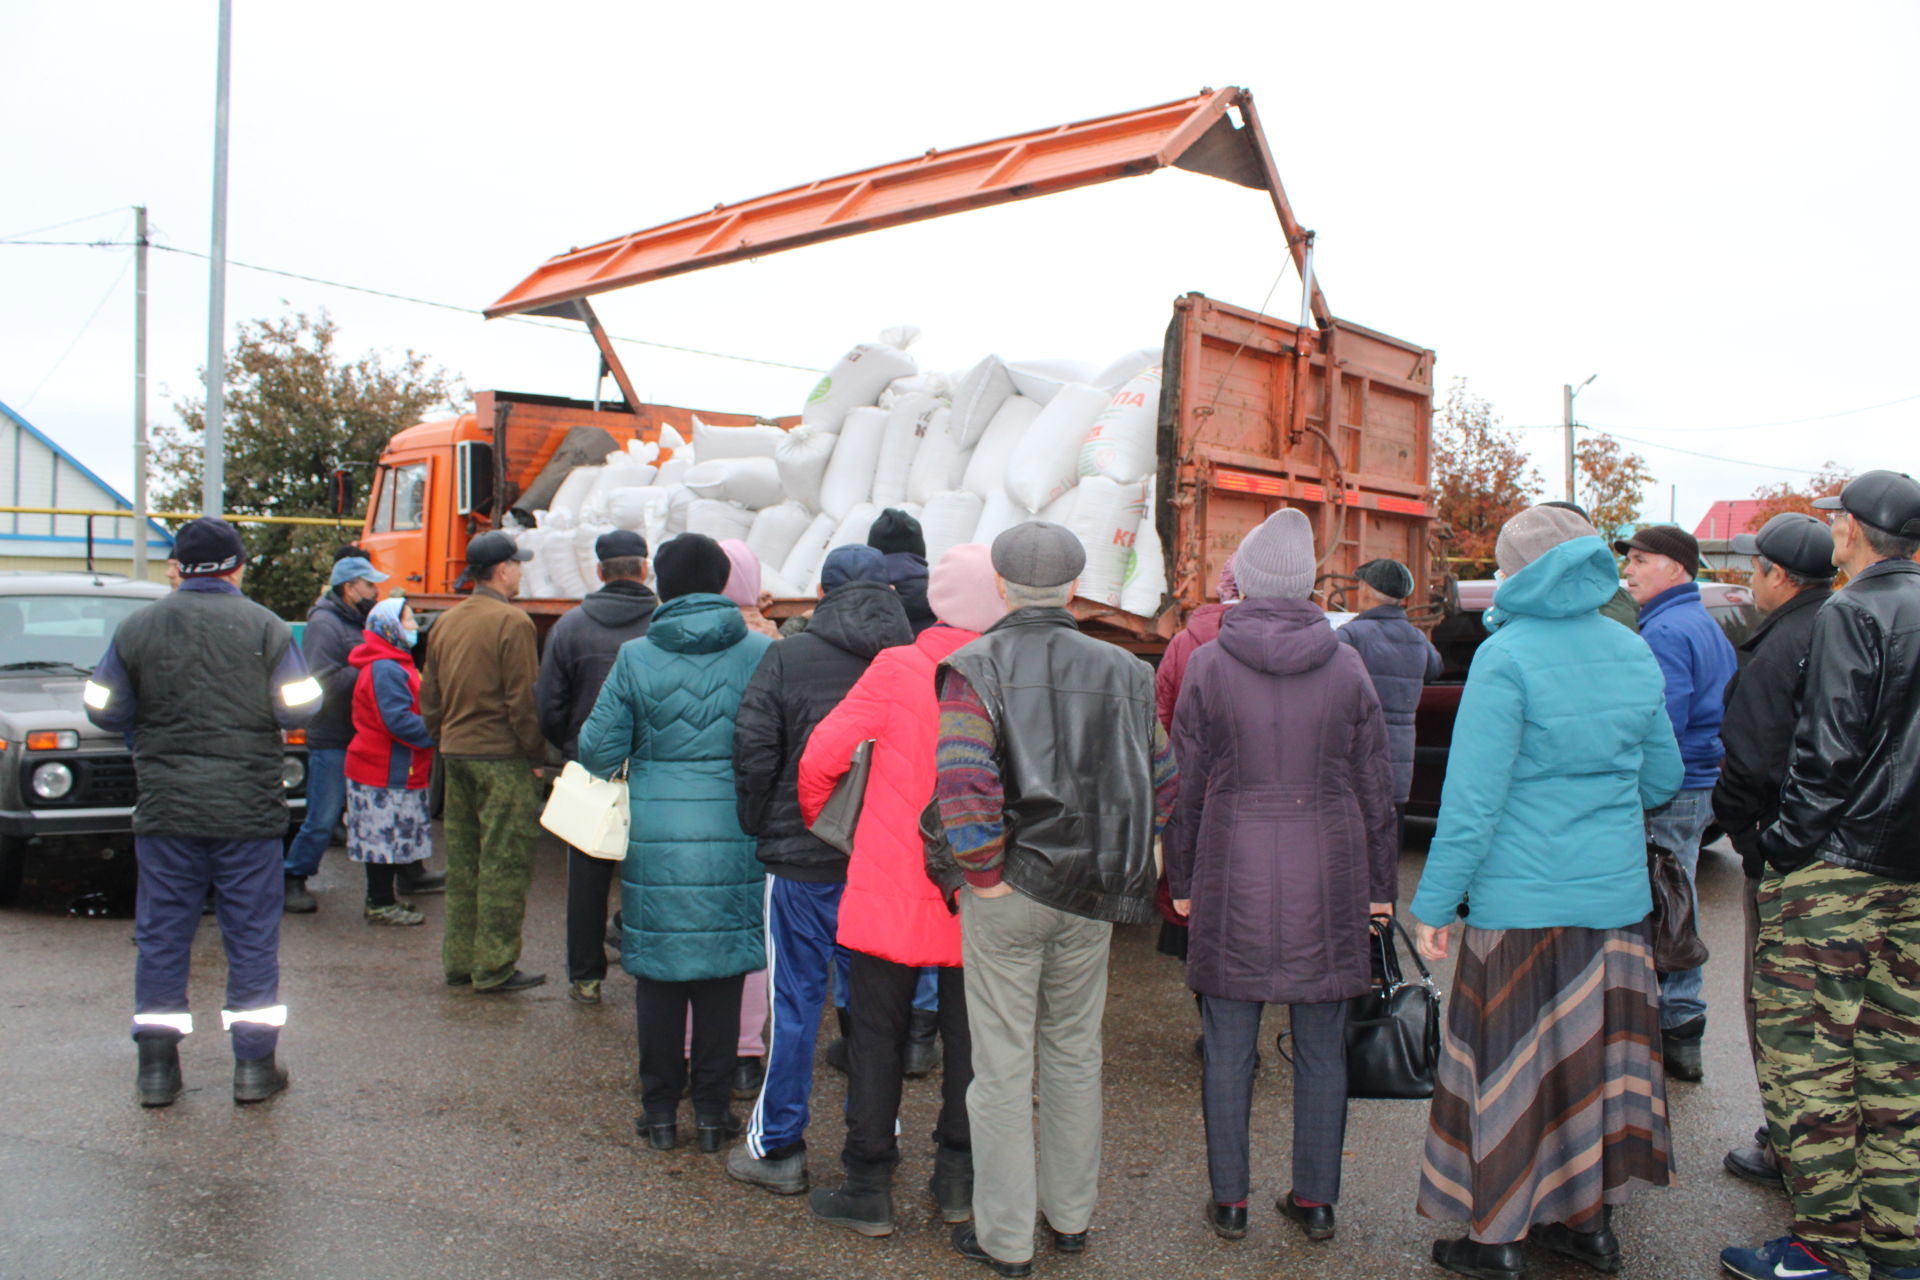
1561,742
692,884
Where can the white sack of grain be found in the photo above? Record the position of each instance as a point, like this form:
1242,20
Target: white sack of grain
1045,462
1060,510
1126,368
1106,519
621,471
559,566
718,520
803,562
674,470
777,530
1122,441
853,527
908,422
857,379
930,383
586,560
644,451
775,584
1146,582
1042,380
752,483
629,508
997,515
987,467
713,443
533,573
849,478
571,496
939,464
679,500
977,396
948,520
802,459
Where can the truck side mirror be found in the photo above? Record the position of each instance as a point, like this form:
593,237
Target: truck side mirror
340,492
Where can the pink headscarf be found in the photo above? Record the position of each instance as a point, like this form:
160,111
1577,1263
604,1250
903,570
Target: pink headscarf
743,583
962,588
1229,589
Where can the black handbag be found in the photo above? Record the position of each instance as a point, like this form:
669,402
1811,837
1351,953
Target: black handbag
1677,946
1393,1032
840,815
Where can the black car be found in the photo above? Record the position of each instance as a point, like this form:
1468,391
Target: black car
67,788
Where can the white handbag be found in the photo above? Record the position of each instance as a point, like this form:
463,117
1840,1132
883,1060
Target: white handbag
589,813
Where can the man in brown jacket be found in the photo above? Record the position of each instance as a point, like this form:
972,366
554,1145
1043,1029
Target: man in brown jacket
477,697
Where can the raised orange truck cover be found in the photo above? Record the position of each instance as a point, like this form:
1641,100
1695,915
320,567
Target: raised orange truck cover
1215,132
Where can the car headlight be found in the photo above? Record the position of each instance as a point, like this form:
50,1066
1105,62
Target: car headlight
293,772
52,781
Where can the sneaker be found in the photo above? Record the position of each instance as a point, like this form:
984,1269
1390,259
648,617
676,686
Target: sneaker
1782,1259
399,913
584,991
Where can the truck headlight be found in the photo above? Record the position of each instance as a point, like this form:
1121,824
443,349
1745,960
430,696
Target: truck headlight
52,781
293,772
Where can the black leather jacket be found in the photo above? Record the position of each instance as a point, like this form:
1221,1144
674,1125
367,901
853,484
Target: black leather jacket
1852,795
1075,725
1763,705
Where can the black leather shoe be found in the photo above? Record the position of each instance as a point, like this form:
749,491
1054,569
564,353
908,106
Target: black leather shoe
1068,1241
1481,1261
1755,1164
748,1075
1315,1220
518,980
660,1130
967,1245
413,877
1229,1221
158,1083
1680,1049
716,1131
1598,1249
257,1079
459,979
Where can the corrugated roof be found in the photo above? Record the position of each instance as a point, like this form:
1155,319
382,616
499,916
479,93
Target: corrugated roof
1726,518
119,499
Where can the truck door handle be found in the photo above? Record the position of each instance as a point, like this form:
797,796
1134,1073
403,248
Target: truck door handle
413,577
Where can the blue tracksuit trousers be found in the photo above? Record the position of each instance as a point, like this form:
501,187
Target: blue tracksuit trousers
802,919
248,894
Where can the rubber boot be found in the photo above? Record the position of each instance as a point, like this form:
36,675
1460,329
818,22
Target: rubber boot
158,1083
837,1050
257,1079
923,1042
864,1203
952,1183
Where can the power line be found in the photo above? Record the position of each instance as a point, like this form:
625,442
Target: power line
1714,457
34,231
91,317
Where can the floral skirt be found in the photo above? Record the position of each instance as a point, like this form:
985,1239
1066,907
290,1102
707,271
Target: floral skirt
388,824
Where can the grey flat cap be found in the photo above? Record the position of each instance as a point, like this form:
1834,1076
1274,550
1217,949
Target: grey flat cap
1797,543
1038,554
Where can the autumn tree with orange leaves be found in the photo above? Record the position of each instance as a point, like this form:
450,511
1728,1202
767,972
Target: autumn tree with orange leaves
1482,477
1611,482
1776,498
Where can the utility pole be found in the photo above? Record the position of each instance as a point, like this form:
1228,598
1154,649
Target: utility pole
140,391
213,468
1567,392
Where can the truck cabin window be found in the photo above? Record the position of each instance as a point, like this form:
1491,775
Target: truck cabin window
401,503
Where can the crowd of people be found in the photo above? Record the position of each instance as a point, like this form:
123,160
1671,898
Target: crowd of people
1023,787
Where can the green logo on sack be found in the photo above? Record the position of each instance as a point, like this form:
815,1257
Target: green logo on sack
821,390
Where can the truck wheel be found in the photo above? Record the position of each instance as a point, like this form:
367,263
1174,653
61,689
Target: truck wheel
13,868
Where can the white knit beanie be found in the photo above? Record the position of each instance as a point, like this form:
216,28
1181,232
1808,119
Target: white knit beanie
1276,559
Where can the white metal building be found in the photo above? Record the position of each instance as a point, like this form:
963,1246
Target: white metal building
36,472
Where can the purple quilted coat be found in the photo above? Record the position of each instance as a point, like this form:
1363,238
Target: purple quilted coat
1284,830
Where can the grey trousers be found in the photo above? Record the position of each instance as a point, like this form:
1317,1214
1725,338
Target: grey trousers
1036,995
1319,1047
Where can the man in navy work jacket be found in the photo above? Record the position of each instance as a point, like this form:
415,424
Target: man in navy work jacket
204,681
1697,660
1399,658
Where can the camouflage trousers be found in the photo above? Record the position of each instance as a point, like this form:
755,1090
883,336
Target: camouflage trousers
492,824
1836,985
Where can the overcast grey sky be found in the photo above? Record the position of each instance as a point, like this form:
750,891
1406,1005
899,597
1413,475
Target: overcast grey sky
1709,205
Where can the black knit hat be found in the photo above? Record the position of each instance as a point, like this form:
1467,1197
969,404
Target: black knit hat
895,531
1389,577
1668,540
690,564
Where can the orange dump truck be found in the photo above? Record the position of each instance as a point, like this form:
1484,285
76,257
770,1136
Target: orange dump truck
1255,412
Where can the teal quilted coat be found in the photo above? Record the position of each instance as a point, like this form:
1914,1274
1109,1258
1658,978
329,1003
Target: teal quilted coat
691,886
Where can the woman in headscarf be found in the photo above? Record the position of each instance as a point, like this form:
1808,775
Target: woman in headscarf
743,587
1549,1105
389,761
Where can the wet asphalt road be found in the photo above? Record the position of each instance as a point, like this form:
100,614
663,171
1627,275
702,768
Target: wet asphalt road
431,1133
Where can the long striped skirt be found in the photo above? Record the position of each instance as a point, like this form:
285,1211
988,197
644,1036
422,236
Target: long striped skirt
1550,1100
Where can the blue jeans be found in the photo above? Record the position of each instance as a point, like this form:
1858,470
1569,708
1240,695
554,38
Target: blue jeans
926,991
326,801
1678,825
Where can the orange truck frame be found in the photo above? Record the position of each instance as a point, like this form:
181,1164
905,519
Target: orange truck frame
1255,412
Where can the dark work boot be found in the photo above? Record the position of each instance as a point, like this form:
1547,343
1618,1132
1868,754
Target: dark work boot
864,1203
158,1083
257,1079
661,1129
923,1042
952,1183
837,1048
1680,1047
299,902
1598,1248
1481,1261
716,1131
414,878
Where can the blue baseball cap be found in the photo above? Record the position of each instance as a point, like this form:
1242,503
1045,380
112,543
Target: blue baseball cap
355,568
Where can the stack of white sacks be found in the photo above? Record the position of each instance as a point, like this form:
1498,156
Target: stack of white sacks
968,455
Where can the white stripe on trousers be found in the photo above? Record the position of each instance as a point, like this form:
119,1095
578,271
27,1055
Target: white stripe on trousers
756,1125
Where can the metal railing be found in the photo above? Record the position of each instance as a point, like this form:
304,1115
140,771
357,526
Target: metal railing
90,514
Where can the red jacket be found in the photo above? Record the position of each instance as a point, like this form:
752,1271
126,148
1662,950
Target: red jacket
1203,627
390,747
890,909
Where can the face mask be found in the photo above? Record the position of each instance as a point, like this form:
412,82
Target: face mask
364,606
410,637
